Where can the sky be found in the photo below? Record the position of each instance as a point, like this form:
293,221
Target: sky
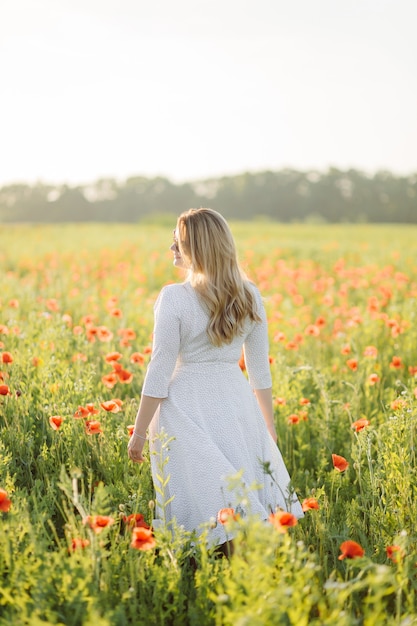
192,89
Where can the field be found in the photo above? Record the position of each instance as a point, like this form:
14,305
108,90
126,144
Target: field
75,336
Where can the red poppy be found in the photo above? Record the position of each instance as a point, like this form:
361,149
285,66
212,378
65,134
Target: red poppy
4,390
112,356
147,350
350,550
281,520
280,401
360,424
93,427
14,304
227,514
127,333
116,313
352,364
77,330
310,503
135,520
346,349
4,329
109,380
98,523
293,418
370,351
104,334
81,412
138,358
394,553
91,333
142,539
339,463
396,363
412,369
52,304
398,404
320,321
124,376
304,401
373,379
91,410
130,429
291,345
5,503
6,357
56,421
77,544
111,406
312,330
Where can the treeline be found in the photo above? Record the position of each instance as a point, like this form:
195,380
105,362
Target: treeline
285,196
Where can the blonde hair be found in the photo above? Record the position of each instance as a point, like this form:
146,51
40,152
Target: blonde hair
208,249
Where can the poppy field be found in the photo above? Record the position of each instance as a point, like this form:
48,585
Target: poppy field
77,543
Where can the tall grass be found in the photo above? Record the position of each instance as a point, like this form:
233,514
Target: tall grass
341,303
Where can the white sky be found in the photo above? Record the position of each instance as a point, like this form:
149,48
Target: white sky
197,88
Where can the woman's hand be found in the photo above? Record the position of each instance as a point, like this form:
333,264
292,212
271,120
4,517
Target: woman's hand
135,448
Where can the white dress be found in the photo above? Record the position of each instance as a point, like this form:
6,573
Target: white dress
211,412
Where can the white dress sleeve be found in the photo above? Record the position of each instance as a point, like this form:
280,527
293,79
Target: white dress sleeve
166,344
256,350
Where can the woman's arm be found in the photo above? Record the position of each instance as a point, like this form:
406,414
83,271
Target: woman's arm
264,398
146,411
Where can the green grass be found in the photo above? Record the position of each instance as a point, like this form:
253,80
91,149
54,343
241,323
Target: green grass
353,287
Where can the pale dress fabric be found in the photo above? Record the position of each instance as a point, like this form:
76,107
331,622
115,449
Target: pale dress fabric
210,411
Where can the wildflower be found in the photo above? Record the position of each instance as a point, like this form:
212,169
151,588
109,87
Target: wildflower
112,356
4,329
93,427
227,514
352,364
52,304
142,539
91,333
279,401
127,333
396,363
116,313
312,330
77,544
398,404
293,418
14,304
346,349
91,410
109,380
124,376
98,523
350,550
5,503
291,345
77,330
81,412
56,421
412,370
339,463
371,351
310,503
104,334
373,379
110,406
279,336
136,520
138,358
394,553
6,357
304,401
320,321
5,390
281,520
130,429
147,350
360,424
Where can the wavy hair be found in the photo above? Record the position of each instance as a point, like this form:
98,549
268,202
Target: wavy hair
208,250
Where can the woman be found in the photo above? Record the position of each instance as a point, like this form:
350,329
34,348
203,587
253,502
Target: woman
220,422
